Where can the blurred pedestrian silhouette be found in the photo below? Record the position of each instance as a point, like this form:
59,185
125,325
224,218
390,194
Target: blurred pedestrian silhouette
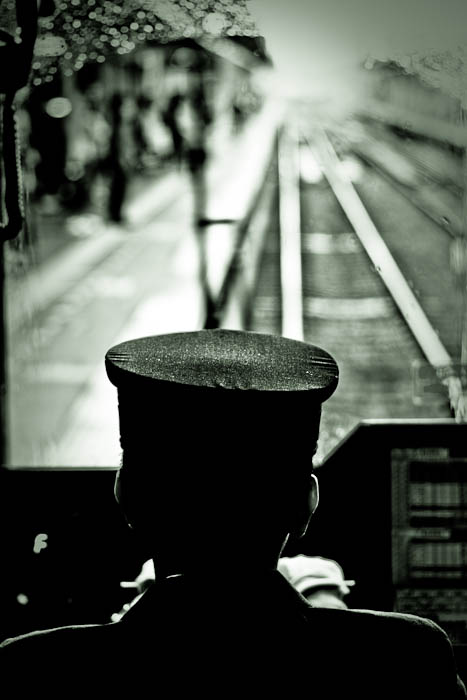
115,162
170,117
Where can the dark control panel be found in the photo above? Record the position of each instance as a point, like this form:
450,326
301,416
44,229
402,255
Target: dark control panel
429,535
393,513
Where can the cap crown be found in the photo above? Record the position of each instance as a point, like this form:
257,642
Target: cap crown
224,359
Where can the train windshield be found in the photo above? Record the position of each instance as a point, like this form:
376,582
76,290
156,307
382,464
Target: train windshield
295,173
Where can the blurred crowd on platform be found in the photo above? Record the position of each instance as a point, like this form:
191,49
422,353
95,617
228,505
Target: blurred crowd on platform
90,138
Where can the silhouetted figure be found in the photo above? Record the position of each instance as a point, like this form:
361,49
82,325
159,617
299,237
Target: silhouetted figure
218,430
197,159
170,117
48,138
189,133
118,177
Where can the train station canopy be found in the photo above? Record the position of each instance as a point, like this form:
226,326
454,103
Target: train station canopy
71,33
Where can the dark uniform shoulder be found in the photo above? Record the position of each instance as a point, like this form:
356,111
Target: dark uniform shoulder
385,629
48,637
391,651
61,662
58,648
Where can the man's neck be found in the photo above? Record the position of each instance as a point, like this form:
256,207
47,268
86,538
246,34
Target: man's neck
211,566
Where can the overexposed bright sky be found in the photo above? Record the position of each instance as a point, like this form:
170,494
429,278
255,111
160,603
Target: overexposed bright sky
316,44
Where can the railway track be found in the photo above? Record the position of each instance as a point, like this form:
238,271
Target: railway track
362,271
433,188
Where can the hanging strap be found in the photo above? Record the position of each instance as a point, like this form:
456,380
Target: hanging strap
11,181
19,57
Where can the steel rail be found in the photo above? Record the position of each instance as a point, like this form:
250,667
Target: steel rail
440,221
390,273
290,233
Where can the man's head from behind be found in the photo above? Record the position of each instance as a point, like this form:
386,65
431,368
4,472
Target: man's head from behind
218,430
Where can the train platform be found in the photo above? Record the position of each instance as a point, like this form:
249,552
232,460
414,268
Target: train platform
120,282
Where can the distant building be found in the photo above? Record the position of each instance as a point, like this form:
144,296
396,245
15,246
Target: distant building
413,95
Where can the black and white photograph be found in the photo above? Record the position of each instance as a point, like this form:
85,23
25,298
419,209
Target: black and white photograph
233,349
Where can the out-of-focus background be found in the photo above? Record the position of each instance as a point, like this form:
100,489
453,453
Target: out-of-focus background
288,167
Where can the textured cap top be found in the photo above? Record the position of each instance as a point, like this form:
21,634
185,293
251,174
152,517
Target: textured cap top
226,359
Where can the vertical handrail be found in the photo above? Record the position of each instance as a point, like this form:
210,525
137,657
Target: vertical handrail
290,234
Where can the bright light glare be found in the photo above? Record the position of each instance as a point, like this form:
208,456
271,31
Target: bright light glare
350,170
214,23
58,107
310,170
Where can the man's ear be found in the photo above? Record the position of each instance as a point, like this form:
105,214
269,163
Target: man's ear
308,506
122,500
118,488
313,496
